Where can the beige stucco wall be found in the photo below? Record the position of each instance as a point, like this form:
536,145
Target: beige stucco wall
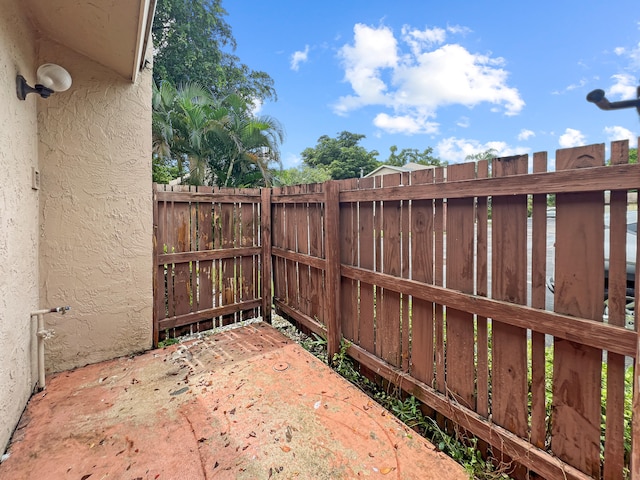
18,221
85,238
96,213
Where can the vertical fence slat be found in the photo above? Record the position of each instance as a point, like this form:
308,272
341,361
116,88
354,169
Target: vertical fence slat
366,245
538,300
266,264
247,239
388,322
290,244
482,401
579,281
509,283
316,250
405,321
228,264
303,247
614,427
332,279
182,284
205,242
460,343
348,256
422,352
439,281
158,278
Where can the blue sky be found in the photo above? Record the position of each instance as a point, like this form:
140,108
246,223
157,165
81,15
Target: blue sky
458,76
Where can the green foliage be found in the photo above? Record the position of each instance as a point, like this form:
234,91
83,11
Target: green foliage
220,139
301,175
167,340
489,154
193,43
163,170
342,157
413,155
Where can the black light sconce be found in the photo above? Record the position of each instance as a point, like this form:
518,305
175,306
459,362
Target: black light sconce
597,97
50,78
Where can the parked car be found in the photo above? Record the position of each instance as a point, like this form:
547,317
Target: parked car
631,245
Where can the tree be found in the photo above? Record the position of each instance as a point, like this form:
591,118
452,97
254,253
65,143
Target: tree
245,146
342,157
190,38
301,175
222,141
407,155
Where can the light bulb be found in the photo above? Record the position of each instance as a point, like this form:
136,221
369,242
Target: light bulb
53,77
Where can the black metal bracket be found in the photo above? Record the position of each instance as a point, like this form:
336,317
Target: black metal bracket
23,89
597,97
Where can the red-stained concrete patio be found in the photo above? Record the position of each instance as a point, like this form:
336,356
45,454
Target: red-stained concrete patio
243,404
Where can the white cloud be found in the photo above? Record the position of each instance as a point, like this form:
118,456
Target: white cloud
632,54
459,30
406,124
621,133
426,75
571,138
301,56
464,122
256,106
373,50
456,150
624,86
526,134
571,87
418,40
290,160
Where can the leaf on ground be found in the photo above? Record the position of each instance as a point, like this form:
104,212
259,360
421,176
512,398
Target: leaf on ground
285,449
386,470
84,477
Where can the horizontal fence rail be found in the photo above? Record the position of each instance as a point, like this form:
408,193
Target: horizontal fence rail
438,280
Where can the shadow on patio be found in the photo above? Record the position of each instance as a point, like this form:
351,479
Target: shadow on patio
245,403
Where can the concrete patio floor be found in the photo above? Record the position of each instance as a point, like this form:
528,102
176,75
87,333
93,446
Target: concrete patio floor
246,403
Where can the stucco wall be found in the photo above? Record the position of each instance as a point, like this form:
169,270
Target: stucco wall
18,220
96,213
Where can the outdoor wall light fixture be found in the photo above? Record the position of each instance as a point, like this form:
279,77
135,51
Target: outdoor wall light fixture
597,97
50,78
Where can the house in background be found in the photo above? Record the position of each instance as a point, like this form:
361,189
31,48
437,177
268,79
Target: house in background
83,236
388,169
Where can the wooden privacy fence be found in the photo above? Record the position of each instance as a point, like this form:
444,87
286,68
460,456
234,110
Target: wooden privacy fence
208,258
437,280
456,316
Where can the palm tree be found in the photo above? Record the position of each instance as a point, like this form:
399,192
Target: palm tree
189,124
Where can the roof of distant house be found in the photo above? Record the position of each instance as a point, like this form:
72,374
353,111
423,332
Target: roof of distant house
388,169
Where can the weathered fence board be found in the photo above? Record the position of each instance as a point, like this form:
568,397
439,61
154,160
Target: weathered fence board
509,283
460,362
579,281
538,300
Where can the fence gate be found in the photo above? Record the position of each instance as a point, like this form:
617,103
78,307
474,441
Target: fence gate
207,258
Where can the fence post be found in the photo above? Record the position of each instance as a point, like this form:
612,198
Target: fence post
332,280
158,271
635,408
265,230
